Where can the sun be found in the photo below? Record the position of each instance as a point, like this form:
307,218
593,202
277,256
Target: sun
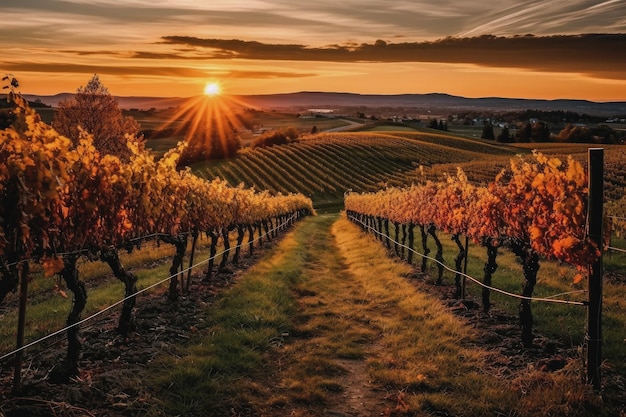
212,89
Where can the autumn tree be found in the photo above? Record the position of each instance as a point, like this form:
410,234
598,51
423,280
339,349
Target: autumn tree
584,134
504,136
217,140
540,132
7,117
524,133
96,111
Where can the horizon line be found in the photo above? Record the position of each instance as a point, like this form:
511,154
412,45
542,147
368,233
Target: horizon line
345,93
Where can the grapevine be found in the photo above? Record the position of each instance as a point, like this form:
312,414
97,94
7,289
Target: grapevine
60,202
617,216
536,207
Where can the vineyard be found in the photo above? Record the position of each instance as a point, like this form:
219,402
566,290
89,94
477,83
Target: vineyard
65,206
324,166
63,202
327,165
535,209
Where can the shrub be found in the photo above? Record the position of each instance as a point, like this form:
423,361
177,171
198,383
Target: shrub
276,137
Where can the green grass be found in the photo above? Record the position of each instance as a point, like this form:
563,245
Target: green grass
246,321
385,128
326,310
421,345
280,120
563,323
47,310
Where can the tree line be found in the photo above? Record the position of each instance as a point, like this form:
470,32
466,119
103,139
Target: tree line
540,131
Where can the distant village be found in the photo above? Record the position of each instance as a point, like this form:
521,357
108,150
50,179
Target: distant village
506,126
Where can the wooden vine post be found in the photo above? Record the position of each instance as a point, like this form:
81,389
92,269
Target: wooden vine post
464,283
17,376
594,224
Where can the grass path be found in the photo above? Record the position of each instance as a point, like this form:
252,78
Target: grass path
326,325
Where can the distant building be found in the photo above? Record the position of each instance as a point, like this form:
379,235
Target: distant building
321,113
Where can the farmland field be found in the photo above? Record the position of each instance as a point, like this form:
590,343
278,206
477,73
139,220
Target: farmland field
324,166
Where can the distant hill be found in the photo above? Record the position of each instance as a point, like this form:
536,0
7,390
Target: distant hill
311,99
432,101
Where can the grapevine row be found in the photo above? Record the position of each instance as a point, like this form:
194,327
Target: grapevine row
535,207
61,201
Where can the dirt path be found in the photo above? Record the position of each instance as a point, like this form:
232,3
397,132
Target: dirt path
332,342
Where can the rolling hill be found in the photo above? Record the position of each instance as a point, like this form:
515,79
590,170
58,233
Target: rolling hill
326,165
315,99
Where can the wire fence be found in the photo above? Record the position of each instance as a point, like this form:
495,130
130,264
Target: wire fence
139,292
548,299
613,248
85,251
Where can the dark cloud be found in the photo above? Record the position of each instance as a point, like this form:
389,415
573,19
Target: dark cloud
90,53
190,54
145,71
598,55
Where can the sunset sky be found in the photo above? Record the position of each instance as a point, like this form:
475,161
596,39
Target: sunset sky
507,48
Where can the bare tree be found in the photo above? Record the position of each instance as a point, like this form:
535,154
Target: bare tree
95,110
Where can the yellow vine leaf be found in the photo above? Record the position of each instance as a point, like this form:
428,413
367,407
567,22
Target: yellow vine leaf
535,233
554,163
127,225
59,291
52,266
576,173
